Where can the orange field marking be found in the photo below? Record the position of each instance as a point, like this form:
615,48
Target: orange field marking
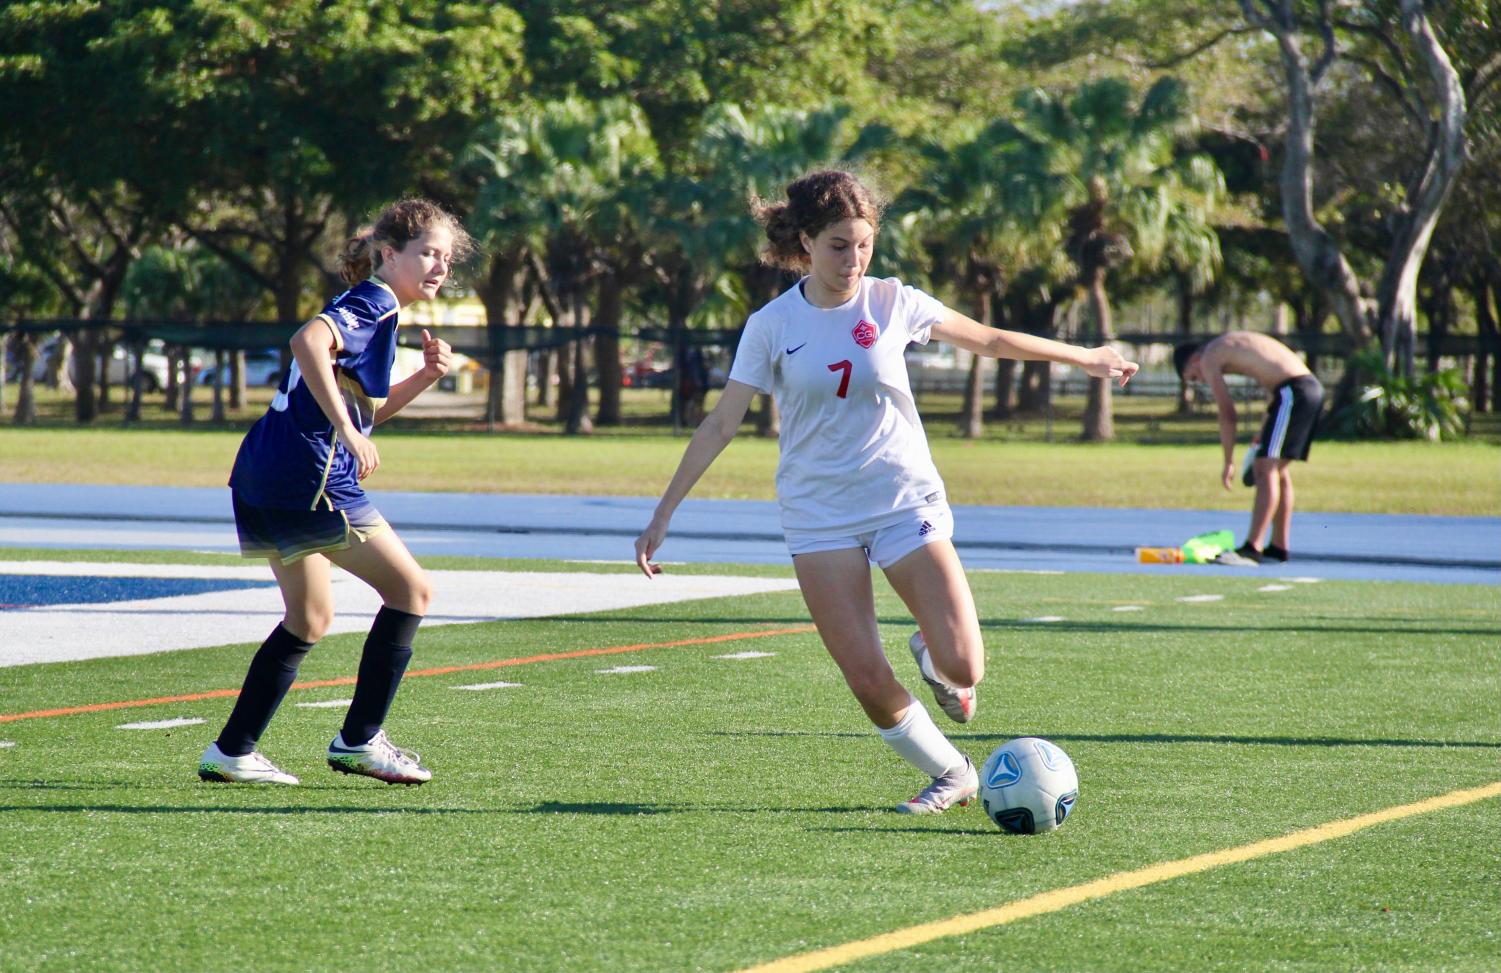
418,673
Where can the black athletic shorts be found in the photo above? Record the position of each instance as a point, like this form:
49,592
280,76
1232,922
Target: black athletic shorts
1292,419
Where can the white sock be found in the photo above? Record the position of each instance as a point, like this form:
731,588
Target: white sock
919,741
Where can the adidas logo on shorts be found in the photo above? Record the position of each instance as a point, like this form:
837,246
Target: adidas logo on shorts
925,529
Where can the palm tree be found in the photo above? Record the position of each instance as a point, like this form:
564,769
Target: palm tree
555,194
1113,173
975,221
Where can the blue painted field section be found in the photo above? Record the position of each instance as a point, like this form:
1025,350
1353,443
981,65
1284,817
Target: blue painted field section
18,591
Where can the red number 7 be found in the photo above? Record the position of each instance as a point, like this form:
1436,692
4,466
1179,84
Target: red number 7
846,367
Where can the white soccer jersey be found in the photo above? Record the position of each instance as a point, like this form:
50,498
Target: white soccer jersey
853,451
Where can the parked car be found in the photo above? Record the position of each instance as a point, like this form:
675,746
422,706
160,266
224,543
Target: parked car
262,368
152,374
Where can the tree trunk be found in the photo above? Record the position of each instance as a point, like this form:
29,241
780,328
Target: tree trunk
173,385
1005,388
85,402
221,363
24,343
1099,419
577,420
236,379
564,356
1396,294
136,371
1318,255
677,329
607,349
972,414
106,351
505,398
185,388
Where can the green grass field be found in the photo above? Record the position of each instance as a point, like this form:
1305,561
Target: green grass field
714,814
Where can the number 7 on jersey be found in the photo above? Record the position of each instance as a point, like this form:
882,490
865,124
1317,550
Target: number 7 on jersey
847,367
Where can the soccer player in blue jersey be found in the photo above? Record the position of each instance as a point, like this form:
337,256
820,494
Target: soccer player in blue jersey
298,499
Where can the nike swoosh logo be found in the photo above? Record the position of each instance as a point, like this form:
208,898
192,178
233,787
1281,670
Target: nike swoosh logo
793,351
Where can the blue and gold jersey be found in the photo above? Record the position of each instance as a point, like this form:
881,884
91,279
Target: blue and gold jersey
290,458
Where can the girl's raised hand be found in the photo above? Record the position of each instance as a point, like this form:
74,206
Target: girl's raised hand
437,356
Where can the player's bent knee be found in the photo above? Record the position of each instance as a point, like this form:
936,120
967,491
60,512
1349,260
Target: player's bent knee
310,626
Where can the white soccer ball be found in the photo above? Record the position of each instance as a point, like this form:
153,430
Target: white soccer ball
1028,786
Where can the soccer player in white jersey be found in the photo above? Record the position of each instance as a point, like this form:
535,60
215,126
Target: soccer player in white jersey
856,482
298,500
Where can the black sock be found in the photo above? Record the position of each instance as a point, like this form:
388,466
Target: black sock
1248,552
388,649
271,674
1275,553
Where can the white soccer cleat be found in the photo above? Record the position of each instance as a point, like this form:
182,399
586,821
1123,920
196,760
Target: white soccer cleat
380,758
217,766
955,787
957,704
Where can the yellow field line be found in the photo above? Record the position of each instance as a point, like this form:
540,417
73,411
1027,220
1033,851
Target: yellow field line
1058,899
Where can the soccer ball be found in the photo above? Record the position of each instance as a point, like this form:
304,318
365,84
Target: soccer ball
1028,786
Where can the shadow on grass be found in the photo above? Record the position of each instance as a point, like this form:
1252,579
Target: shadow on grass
937,832
219,809
606,809
999,738
1312,625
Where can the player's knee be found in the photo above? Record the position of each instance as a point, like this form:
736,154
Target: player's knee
970,671
310,623
420,597
414,595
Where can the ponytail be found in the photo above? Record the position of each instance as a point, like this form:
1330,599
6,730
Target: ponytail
357,258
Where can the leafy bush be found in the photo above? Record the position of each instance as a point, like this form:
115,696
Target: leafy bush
1393,406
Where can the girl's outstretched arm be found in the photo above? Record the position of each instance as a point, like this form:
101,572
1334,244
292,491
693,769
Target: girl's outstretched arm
971,335
709,440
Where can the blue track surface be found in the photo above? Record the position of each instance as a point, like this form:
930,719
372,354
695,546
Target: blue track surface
1325,545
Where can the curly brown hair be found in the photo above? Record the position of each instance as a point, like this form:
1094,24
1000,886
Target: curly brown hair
812,203
398,224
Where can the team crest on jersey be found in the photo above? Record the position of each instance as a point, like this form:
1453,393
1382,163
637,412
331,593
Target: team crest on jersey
865,333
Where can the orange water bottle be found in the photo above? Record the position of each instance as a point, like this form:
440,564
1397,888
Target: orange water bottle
1159,555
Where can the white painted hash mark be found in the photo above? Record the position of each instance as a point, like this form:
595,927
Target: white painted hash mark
1302,580
6,743
1198,598
623,669
481,686
1275,587
1128,608
1044,618
326,704
161,724
745,655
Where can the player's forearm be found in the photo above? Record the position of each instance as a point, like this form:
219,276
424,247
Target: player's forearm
1020,346
401,395
708,441
1227,434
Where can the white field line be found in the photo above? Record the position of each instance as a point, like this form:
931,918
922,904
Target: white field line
243,616
161,724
